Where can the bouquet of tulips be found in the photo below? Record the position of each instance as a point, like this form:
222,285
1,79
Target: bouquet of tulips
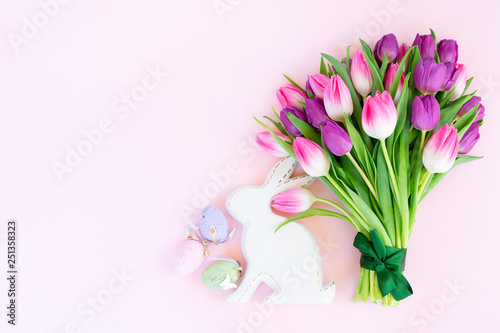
380,128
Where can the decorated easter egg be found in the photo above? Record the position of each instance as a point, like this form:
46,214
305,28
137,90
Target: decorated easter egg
221,275
213,224
189,257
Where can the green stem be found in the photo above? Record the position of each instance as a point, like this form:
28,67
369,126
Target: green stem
331,203
424,185
391,171
363,175
422,141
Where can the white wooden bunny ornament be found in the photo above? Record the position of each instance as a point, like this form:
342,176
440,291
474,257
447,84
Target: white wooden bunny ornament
289,260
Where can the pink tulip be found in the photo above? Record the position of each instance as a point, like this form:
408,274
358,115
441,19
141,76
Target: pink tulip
269,144
294,200
403,49
317,83
290,95
460,83
379,115
361,75
311,157
441,150
338,101
389,79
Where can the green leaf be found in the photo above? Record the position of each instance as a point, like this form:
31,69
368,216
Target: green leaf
384,194
322,67
372,63
357,182
397,78
370,216
449,112
348,59
383,68
366,160
313,212
463,124
282,143
294,84
436,55
304,128
410,65
278,125
439,176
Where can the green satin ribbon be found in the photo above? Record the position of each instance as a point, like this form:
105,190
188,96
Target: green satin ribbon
388,263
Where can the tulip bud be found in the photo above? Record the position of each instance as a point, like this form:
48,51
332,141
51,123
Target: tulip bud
429,76
460,83
403,49
441,150
451,76
269,144
388,44
425,45
287,123
290,95
425,112
336,138
361,75
448,50
468,141
389,79
294,200
379,115
469,105
338,101
315,113
311,157
317,83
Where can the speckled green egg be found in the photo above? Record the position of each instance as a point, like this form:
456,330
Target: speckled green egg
216,275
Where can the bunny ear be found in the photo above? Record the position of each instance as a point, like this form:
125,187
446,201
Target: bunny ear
301,181
281,172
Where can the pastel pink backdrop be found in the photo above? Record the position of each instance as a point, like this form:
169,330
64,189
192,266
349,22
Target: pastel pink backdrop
119,209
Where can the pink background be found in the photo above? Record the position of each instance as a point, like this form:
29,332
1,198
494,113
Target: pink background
119,208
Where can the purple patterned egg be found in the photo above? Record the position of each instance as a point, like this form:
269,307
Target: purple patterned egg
190,256
213,222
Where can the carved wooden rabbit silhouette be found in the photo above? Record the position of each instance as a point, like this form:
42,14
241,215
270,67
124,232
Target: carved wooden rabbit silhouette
289,260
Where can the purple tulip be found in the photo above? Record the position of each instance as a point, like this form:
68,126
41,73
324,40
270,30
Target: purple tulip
451,76
315,113
471,136
469,105
388,44
287,123
480,115
425,45
448,50
429,76
425,112
336,138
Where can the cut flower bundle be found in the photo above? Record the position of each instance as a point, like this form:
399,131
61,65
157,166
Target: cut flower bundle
380,128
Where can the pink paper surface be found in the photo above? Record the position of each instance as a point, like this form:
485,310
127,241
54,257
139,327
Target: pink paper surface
97,238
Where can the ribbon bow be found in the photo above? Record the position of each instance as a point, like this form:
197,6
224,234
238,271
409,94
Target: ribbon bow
387,262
